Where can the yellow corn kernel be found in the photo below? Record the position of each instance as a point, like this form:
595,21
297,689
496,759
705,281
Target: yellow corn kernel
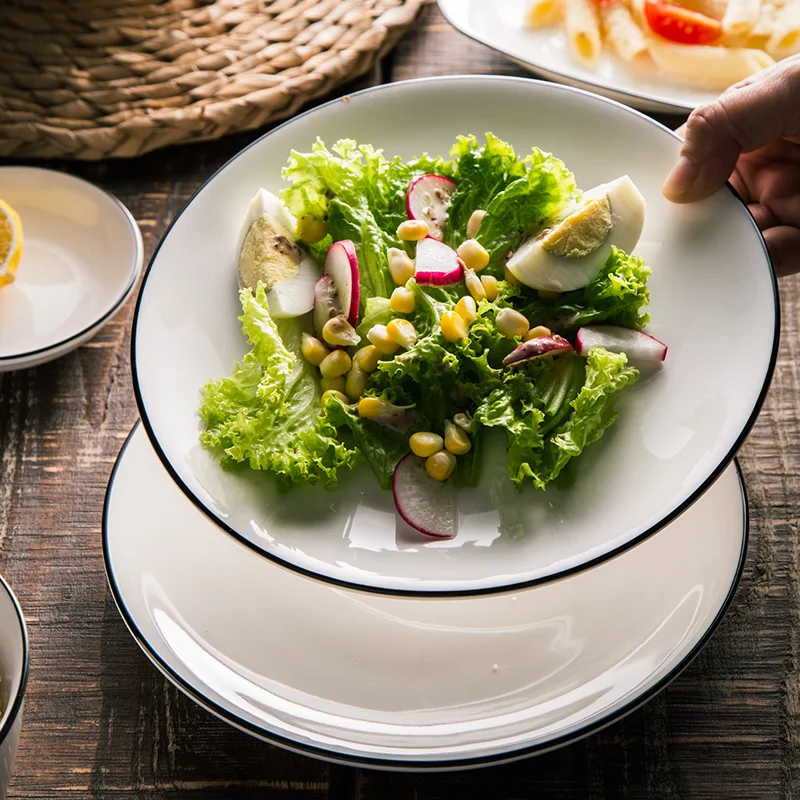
473,254
333,384
511,323
402,332
545,295
401,266
454,326
509,277
334,393
474,222
380,338
335,364
537,333
402,301
355,383
456,440
440,465
313,349
467,309
412,230
370,407
367,358
474,285
311,230
339,332
425,444
489,283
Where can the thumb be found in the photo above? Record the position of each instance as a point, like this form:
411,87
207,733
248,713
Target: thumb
747,116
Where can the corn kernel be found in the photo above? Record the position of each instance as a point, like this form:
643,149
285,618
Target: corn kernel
537,333
402,332
489,283
401,266
474,285
313,349
339,332
440,465
467,309
474,222
311,230
371,407
425,444
509,277
355,383
473,254
412,230
335,364
402,300
366,359
333,384
333,393
545,295
380,338
463,420
456,440
454,326
511,323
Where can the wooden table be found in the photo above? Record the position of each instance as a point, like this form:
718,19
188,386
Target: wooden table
102,723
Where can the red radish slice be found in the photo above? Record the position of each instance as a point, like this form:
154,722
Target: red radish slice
341,263
326,303
427,505
437,264
536,348
427,199
637,345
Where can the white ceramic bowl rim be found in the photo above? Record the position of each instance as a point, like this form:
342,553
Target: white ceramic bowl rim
423,766
676,511
136,265
14,704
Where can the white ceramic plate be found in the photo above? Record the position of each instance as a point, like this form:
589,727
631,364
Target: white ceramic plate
678,427
82,253
499,25
408,682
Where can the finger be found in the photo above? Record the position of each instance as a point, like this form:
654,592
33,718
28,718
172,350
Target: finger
739,121
783,243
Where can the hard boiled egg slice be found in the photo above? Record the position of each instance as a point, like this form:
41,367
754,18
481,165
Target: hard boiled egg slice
571,254
266,251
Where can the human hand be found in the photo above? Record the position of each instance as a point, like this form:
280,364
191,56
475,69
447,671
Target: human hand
750,135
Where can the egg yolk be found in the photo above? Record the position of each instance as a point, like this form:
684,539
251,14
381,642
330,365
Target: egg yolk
582,232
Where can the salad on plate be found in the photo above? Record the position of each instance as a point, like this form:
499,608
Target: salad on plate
398,311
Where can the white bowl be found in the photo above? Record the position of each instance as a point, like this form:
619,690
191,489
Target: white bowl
82,253
678,427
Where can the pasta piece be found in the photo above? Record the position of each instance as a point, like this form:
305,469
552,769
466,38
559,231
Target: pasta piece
621,30
711,8
542,13
740,16
583,28
785,37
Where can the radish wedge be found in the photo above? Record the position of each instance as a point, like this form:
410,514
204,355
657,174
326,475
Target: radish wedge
536,348
427,505
427,199
437,264
326,303
341,263
638,346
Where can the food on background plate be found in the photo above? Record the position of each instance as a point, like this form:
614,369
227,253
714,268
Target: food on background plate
397,311
708,43
10,243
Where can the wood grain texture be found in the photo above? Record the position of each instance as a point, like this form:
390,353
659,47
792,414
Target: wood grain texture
102,724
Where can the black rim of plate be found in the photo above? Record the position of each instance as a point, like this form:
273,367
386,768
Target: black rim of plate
521,584
419,766
16,703
138,259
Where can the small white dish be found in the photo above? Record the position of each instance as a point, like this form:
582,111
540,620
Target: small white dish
678,427
409,682
82,254
499,24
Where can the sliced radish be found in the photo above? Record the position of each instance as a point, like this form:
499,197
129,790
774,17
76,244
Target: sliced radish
637,345
437,264
326,303
427,199
427,505
341,263
536,348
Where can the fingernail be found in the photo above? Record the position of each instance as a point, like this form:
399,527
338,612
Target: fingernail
682,179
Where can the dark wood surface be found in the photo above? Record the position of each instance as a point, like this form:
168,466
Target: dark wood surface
100,722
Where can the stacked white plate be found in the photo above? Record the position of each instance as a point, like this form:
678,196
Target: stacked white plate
306,620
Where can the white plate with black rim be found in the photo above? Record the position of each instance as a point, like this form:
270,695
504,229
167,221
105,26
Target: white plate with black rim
422,683
678,428
82,254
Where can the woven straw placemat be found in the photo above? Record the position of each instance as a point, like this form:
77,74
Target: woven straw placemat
90,79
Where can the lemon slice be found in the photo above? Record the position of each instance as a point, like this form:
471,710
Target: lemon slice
10,243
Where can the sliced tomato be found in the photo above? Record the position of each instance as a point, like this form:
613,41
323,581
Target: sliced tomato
681,25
